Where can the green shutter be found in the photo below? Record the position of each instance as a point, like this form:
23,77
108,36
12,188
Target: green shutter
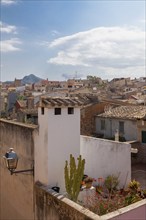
143,136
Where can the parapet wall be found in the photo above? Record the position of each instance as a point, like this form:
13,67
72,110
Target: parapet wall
54,206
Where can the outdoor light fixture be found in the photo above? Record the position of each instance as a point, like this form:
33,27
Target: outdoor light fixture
11,160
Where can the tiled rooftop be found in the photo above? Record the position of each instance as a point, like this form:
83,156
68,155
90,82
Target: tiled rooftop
60,101
125,112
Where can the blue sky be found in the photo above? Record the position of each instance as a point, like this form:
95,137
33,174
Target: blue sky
63,39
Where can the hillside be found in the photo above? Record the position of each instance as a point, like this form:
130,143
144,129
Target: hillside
30,79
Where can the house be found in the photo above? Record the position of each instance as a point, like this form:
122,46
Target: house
27,111
121,82
47,147
123,118
17,82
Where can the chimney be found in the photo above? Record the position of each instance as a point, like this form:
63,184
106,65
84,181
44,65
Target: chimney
117,135
30,102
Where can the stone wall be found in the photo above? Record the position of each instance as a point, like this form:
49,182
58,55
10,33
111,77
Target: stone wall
17,190
88,117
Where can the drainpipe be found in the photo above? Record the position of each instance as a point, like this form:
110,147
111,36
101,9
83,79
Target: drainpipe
110,127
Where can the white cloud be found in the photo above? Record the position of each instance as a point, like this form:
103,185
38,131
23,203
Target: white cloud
8,2
55,33
10,45
143,20
112,48
7,28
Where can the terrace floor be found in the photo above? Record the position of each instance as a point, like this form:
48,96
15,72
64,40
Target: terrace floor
139,173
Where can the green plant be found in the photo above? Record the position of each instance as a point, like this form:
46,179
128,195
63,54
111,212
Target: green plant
143,192
73,176
111,183
99,189
134,186
131,198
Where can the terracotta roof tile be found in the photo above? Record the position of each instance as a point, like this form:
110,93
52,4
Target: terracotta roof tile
61,101
125,112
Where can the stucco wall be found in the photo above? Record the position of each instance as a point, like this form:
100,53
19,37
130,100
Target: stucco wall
105,158
53,206
111,125
58,137
16,191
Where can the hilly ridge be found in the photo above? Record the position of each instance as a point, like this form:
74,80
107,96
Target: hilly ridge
30,79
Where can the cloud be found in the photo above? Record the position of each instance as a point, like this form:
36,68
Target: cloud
102,47
10,45
143,20
71,76
8,2
7,28
55,33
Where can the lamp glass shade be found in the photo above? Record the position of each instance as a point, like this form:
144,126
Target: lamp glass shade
11,159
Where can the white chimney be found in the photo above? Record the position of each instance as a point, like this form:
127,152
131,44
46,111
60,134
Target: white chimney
117,135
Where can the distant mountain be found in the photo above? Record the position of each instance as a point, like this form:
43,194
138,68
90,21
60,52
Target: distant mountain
8,82
30,79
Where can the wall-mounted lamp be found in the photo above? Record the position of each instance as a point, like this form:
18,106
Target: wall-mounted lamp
11,160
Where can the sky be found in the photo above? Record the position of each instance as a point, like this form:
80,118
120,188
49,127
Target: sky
72,39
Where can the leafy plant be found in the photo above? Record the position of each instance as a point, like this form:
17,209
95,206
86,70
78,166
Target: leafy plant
111,183
143,193
73,176
99,189
134,186
131,198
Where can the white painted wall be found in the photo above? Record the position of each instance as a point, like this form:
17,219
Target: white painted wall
59,136
111,125
103,158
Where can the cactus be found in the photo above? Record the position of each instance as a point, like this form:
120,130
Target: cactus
73,176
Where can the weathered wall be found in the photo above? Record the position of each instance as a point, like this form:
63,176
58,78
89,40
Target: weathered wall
111,125
105,158
139,157
16,191
58,137
141,126
53,206
88,117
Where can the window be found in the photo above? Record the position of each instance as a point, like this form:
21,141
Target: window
57,111
143,133
42,111
121,127
102,124
70,111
